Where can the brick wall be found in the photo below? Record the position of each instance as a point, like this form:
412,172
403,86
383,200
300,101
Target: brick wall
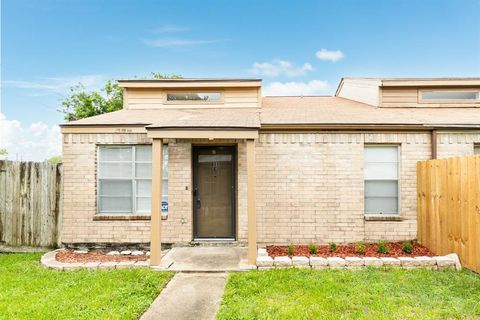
80,200
309,187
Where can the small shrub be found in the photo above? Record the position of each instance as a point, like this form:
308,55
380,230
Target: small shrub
333,247
360,247
407,247
382,247
313,248
291,249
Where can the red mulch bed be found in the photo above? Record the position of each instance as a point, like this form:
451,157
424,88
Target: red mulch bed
348,250
96,256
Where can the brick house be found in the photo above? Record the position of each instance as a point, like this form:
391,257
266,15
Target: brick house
211,159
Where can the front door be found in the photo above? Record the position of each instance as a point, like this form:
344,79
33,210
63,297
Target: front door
214,192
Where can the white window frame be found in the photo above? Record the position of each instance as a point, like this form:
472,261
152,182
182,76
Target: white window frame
132,178
399,163
446,101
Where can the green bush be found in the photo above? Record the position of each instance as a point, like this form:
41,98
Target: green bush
382,247
360,247
291,249
313,248
333,247
407,247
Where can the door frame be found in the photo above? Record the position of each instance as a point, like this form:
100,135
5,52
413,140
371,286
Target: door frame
234,172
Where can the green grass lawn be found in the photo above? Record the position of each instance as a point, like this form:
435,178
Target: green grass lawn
28,291
344,294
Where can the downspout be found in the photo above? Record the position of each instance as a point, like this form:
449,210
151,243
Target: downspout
434,143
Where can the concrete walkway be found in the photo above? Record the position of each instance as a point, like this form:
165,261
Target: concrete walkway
206,259
189,296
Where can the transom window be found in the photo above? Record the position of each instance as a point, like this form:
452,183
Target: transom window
445,95
194,96
476,149
381,179
125,179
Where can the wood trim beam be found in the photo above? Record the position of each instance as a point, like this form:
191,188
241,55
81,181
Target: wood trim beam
251,205
203,134
156,220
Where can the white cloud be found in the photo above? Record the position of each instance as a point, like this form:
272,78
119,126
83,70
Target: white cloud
280,67
330,55
175,42
59,85
170,28
35,142
311,88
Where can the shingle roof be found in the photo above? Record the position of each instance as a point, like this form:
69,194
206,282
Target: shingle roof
336,110
174,118
289,111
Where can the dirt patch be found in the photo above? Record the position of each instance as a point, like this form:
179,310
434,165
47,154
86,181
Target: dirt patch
394,251
96,256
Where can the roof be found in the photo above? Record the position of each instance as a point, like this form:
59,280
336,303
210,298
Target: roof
189,83
246,118
286,111
338,111
416,82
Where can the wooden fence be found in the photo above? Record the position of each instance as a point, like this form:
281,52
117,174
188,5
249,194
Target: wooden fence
449,207
30,204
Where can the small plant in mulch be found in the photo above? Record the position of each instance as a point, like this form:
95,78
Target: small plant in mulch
407,247
291,249
313,248
333,247
360,247
382,247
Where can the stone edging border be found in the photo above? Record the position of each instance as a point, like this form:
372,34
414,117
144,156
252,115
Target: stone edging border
265,262
48,260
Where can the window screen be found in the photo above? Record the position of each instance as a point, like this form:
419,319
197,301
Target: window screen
381,179
125,179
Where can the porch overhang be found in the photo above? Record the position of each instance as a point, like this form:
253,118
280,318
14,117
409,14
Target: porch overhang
202,133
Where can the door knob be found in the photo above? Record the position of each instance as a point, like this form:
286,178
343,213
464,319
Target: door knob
199,203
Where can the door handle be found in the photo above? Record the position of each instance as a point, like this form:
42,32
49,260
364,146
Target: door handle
199,203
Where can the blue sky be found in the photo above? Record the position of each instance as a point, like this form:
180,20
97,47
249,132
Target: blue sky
49,45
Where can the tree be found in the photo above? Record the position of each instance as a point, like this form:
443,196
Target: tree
54,160
82,104
3,153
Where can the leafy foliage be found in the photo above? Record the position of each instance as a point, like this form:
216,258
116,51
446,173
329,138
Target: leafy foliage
291,249
82,104
54,160
382,247
407,247
3,152
360,247
313,248
333,247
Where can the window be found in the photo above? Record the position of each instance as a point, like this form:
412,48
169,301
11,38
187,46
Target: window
476,149
125,179
194,96
442,95
381,179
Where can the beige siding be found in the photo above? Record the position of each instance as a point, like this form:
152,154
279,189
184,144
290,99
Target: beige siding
408,97
152,98
362,90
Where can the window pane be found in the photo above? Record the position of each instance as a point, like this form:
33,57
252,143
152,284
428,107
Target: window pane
476,150
165,161
143,204
119,188
450,95
194,96
381,188
115,204
143,153
381,205
144,188
143,170
381,171
115,154
165,187
115,170
381,154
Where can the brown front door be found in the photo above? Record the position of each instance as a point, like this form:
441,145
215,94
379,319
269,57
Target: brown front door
214,192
